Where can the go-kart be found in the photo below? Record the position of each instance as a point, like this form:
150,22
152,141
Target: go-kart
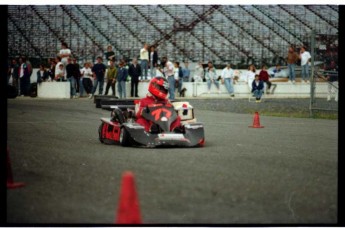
121,128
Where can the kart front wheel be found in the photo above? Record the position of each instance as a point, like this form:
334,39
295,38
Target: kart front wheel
124,137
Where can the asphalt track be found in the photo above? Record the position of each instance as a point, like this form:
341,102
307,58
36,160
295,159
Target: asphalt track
284,173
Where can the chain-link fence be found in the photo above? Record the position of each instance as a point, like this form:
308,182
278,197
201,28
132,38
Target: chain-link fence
324,86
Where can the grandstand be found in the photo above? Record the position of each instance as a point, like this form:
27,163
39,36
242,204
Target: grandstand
222,33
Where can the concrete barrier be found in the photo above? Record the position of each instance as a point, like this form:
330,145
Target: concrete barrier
194,89
199,90
53,90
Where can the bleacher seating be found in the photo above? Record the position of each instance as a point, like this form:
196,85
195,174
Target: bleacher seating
222,33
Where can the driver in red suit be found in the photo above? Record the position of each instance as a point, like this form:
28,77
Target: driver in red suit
158,91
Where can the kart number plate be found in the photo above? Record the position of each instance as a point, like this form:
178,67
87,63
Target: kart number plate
171,136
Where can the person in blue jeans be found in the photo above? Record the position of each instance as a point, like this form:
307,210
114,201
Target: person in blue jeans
257,88
70,69
227,79
211,77
291,60
186,73
168,72
98,70
121,78
178,74
305,60
144,60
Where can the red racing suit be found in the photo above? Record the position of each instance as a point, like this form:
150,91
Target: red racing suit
150,99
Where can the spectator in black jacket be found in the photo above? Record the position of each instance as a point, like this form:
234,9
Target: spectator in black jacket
257,88
76,74
71,77
24,77
98,70
42,74
14,72
134,71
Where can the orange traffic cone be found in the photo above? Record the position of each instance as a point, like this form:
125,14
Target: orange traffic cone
128,211
256,121
10,183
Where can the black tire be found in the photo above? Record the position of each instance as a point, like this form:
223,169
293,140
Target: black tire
100,136
118,116
125,139
33,90
12,92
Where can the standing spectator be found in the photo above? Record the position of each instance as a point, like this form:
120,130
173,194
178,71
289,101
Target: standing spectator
98,71
121,78
24,77
305,60
153,57
257,88
70,73
211,77
111,77
250,75
186,73
265,77
134,71
110,55
291,59
28,65
14,72
144,60
86,79
199,73
178,75
168,72
42,74
76,75
64,53
227,79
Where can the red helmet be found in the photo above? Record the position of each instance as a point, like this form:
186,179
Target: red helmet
158,87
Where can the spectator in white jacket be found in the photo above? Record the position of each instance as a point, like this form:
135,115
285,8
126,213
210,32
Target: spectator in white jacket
211,77
305,60
86,80
199,73
250,75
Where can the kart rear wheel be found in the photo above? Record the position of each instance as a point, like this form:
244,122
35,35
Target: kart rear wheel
124,137
100,136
